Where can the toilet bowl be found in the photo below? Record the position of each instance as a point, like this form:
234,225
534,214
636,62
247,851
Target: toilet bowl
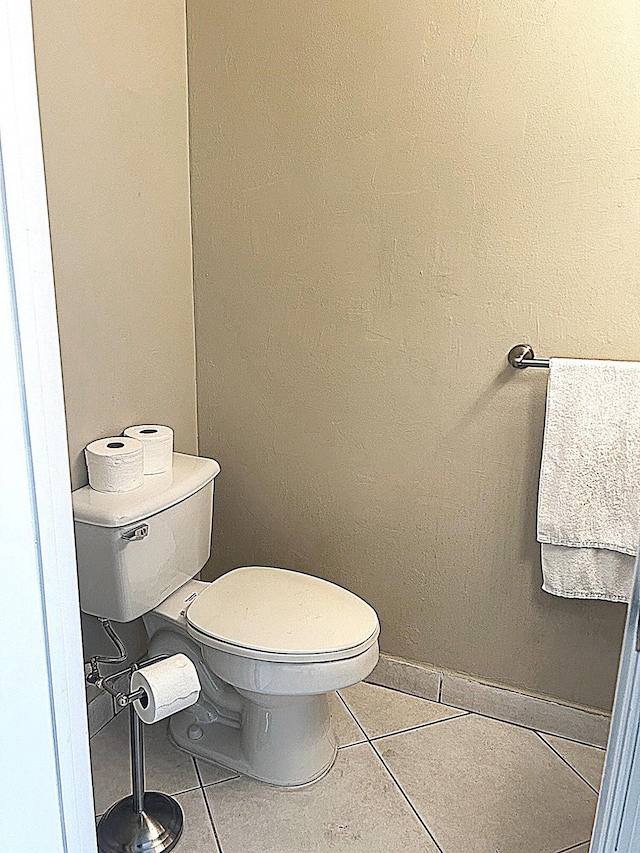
269,644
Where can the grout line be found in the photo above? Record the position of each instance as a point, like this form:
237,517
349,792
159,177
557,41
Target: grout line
591,712
172,794
421,726
220,781
529,728
405,692
571,740
566,761
186,791
479,714
353,743
411,806
206,803
370,739
574,846
104,725
355,719
489,716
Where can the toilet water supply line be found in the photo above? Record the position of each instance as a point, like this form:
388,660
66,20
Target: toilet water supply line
94,676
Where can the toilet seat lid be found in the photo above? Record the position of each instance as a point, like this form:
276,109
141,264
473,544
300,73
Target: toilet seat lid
270,613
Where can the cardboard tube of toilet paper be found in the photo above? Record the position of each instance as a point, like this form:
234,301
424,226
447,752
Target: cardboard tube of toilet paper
170,685
115,464
157,442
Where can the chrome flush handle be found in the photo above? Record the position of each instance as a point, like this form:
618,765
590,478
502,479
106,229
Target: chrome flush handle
137,533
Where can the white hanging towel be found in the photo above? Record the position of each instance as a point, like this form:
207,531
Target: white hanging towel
589,496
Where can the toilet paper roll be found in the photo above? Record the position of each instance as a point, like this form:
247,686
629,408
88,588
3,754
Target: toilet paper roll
171,685
157,441
115,464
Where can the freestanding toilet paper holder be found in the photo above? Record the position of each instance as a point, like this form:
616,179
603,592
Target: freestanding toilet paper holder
145,821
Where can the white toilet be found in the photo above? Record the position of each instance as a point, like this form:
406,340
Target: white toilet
269,644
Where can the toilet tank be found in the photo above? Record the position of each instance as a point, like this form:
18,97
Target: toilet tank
136,548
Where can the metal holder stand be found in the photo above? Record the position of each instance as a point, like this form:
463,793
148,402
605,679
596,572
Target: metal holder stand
146,821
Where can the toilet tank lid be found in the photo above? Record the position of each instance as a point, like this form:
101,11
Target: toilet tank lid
158,492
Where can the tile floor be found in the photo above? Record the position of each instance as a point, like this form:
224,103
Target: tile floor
411,775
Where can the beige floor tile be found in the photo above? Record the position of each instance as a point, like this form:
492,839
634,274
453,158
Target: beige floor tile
345,728
197,835
167,769
482,785
381,711
582,848
356,807
588,761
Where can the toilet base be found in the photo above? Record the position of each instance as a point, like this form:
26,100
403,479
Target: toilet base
283,740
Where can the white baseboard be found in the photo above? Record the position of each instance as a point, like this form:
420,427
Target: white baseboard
533,712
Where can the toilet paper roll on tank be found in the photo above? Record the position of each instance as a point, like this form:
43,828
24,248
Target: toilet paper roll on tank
157,442
170,685
115,464
120,463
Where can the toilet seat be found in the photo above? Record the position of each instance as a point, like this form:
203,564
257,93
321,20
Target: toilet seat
274,614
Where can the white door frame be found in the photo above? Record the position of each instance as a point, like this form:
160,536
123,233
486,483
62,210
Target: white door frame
45,776
617,824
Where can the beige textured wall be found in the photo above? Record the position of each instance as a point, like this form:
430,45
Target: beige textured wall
113,103
387,197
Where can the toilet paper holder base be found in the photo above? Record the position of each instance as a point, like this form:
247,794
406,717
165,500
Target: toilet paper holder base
145,820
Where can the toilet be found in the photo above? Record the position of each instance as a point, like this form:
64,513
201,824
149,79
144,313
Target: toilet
270,645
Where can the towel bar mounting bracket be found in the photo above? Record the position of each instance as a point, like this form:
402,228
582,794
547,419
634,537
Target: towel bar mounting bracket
522,355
